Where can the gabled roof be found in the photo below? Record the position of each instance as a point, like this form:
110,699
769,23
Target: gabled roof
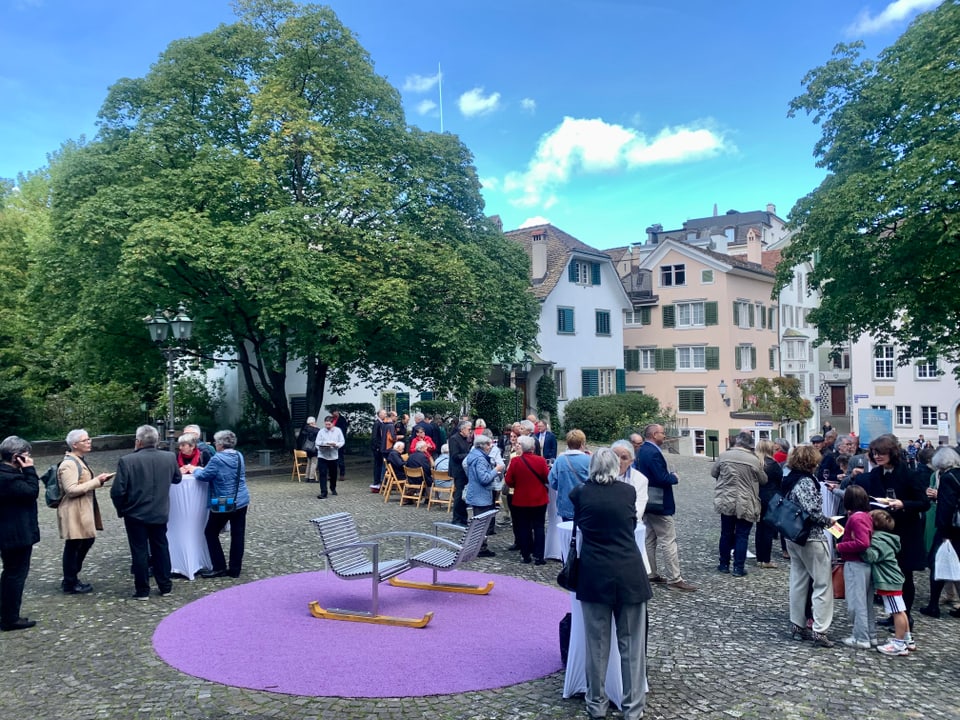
720,261
560,247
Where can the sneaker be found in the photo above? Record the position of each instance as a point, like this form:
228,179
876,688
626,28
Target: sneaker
910,643
854,643
374,488
138,596
739,572
893,647
822,640
874,642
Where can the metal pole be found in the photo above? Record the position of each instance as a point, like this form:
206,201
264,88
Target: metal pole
171,356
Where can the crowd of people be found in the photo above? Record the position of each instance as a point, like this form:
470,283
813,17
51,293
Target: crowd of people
896,514
140,493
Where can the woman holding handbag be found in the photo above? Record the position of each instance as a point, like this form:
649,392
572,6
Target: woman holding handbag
527,477
228,484
809,560
946,463
612,582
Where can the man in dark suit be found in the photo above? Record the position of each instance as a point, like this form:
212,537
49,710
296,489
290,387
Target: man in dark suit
658,518
547,440
376,444
460,442
141,494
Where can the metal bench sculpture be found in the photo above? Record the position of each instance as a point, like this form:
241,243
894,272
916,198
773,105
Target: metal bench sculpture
351,557
447,555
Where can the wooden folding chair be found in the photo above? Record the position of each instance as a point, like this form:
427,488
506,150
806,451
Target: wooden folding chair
441,495
299,465
390,483
411,490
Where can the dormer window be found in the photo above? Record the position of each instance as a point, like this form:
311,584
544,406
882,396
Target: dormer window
584,273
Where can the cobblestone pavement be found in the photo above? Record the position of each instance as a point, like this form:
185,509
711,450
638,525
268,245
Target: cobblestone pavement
722,652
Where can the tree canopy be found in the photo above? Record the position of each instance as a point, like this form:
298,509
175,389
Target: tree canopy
882,228
265,175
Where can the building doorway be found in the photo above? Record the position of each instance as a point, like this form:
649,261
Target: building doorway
838,400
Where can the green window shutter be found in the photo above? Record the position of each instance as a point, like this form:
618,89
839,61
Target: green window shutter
631,360
590,383
621,381
771,318
753,358
594,273
572,271
736,313
669,358
645,316
711,313
750,322
669,316
736,358
565,320
773,360
690,400
711,356
603,322
763,317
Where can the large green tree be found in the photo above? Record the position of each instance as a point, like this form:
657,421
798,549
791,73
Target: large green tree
264,174
882,228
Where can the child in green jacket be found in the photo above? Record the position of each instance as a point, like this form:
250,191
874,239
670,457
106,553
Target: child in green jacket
888,581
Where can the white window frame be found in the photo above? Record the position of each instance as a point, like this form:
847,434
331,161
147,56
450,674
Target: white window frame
928,416
648,359
388,400
745,358
669,272
692,358
903,415
606,381
691,309
924,370
560,380
707,276
582,272
885,367
744,313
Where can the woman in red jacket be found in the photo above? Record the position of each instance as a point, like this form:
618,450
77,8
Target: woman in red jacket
527,475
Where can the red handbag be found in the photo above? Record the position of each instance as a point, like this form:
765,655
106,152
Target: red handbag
839,589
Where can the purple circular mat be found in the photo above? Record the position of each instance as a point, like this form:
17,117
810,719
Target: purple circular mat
261,636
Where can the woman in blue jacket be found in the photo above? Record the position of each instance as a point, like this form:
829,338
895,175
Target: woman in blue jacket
226,474
480,478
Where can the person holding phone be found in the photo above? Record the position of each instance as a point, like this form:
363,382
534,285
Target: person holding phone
19,529
78,515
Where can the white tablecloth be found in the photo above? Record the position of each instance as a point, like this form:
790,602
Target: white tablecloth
188,517
554,547
575,679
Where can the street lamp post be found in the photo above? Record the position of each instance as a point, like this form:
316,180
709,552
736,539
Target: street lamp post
178,327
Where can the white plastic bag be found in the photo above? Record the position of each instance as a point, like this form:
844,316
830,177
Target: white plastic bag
947,563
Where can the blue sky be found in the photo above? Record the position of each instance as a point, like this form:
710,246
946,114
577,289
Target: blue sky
600,116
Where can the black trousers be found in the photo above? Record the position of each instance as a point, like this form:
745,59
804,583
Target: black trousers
528,526
16,566
74,553
238,532
325,469
459,504
148,548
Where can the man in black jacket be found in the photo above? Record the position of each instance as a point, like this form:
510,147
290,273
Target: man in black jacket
461,442
141,495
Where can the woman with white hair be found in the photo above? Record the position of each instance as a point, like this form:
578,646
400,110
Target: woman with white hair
946,463
612,584
78,514
527,476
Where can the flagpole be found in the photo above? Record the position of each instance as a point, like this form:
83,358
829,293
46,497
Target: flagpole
440,86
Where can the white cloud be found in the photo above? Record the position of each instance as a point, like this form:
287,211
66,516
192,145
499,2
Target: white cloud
528,105
489,183
420,83
534,221
426,106
892,14
581,146
474,102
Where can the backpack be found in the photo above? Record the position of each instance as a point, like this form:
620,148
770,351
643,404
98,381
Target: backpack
53,493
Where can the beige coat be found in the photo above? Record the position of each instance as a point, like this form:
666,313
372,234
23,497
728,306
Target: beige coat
77,515
739,475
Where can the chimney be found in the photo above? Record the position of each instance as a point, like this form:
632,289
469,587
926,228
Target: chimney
719,241
653,233
538,256
771,208
754,246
